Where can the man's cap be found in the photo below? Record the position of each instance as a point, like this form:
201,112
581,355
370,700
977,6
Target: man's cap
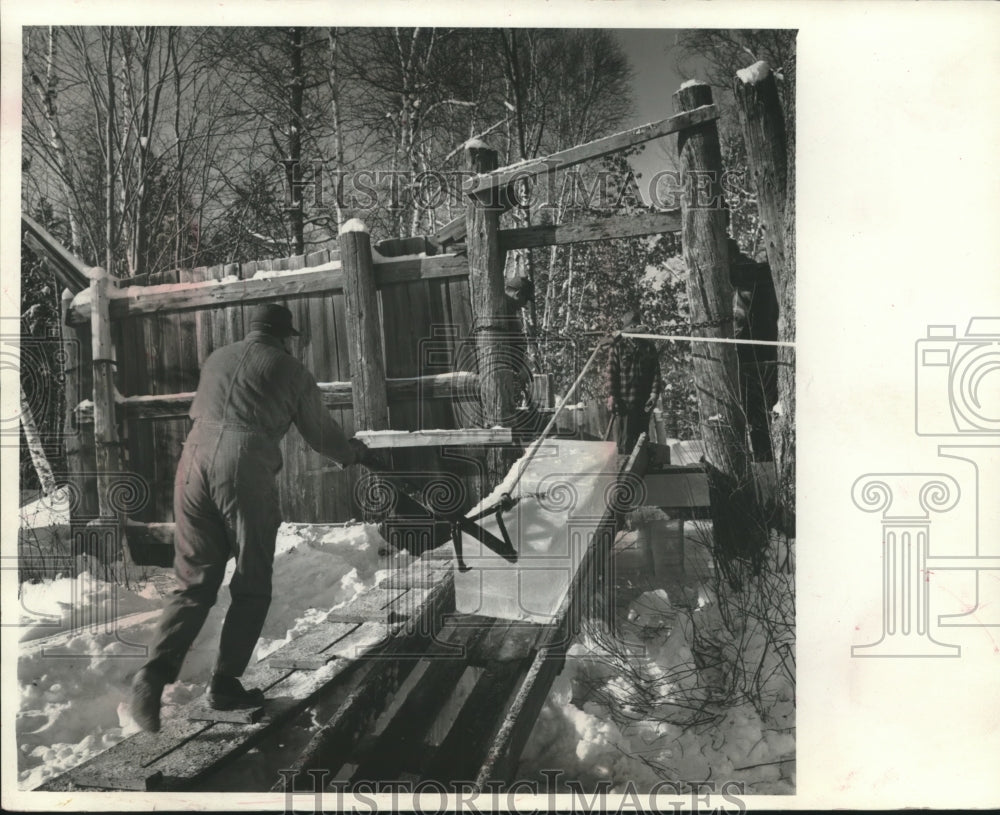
274,319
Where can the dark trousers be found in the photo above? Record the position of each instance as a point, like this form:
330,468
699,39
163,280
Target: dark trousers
630,425
225,505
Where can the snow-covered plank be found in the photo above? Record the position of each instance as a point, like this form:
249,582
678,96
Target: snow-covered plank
130,301
434,438
373,605
302,652
591,150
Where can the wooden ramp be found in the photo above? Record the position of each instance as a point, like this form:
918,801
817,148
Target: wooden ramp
427,692
196,742
463,708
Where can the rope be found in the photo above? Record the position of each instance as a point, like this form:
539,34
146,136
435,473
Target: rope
548,428
674,338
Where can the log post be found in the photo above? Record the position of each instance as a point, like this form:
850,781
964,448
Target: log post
738,527
491,321
364,335
78,431
763,124
107,445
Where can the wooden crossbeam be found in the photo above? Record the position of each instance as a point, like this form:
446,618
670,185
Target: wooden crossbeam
625,226
69,269
133,301
591,150
395,439
457,385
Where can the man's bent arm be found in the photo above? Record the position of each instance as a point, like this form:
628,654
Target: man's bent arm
319,430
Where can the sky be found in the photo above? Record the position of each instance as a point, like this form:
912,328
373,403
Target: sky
654,59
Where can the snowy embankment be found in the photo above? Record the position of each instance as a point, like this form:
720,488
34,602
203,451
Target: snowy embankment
650,706
75,663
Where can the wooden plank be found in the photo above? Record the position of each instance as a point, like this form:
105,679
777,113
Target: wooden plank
302,651
372,605
125,766
340,501
135,300
435,438
106,442
72,272
591,150
464,748
319,355
200,711
686,488
377,681
388,753
452,231
625,226
481,651
519,720
134,377
361,639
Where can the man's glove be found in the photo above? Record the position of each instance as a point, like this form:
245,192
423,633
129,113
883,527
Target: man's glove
362,455
650,403
614,406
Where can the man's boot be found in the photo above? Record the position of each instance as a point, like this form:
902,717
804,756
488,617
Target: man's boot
227,693
147,688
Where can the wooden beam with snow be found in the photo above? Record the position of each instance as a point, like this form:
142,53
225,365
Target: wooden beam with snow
625,226
132,301
435,438
591,150
67,267
451,232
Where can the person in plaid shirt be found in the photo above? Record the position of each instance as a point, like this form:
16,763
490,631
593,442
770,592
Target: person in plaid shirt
634,383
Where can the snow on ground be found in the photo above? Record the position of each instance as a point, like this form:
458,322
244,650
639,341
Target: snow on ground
627,718
610,717
74,683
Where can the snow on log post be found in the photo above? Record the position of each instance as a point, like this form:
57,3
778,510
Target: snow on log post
107,447
364,336
490,313
738,526
78,430
763,126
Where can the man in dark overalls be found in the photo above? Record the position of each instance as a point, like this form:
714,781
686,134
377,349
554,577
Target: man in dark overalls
634,383
226,504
